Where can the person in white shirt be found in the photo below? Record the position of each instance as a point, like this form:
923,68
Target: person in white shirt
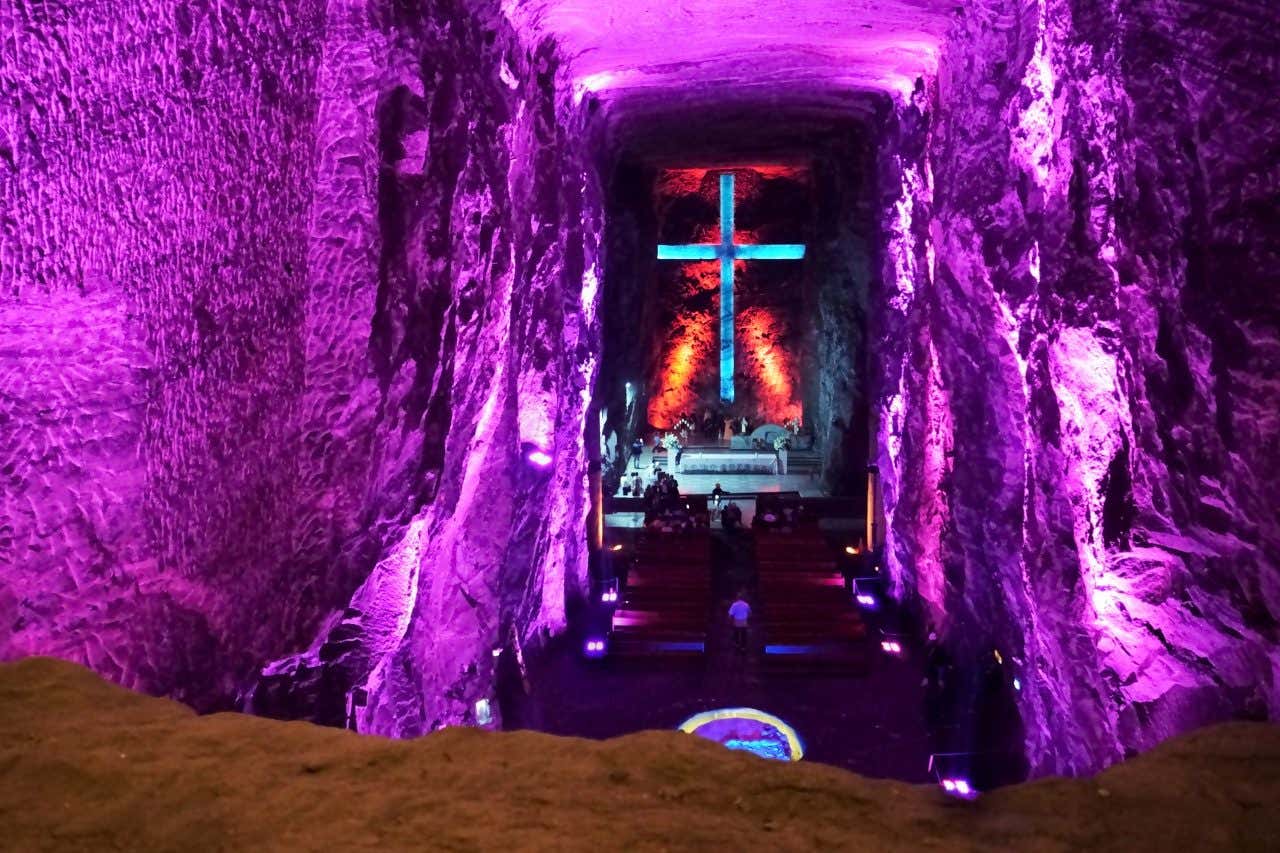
740,613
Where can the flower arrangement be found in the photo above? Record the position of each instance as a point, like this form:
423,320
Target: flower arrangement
670,442
793,426
781,441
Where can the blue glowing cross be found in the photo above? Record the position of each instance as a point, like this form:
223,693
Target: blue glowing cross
727,252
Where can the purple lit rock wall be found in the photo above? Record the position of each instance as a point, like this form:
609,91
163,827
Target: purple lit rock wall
451,322
154,174
1081,339
284,288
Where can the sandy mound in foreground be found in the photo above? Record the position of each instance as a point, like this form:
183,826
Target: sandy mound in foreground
87,765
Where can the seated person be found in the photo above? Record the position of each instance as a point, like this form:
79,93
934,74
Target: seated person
767,519
731,517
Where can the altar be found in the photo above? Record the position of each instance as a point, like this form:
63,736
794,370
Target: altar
721,460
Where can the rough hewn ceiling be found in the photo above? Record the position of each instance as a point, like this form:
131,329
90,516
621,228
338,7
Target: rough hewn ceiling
648,58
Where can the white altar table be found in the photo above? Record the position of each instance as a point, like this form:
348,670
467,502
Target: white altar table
714,460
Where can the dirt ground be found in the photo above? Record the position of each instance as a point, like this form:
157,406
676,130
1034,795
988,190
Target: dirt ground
85,765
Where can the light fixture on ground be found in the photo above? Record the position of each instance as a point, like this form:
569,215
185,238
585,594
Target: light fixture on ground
952,770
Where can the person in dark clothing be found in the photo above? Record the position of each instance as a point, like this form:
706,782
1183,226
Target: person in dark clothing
731,518
717,494
637,451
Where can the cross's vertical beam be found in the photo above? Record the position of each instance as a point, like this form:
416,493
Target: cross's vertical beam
726,288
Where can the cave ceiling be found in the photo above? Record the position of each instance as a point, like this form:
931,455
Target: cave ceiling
655,65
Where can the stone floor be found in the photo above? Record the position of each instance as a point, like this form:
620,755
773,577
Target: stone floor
872,723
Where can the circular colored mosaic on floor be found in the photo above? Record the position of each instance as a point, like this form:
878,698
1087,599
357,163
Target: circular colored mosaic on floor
748,730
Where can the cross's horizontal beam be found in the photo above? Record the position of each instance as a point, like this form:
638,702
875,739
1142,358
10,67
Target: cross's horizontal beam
769,252
691,252
740,252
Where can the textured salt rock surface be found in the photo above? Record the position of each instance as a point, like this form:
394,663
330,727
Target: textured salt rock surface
1081,340
474,264
286,290
843,259
152,265
638,53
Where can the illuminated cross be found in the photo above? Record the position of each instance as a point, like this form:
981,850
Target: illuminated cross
727,252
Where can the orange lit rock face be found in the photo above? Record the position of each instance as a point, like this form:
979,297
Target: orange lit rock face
773,204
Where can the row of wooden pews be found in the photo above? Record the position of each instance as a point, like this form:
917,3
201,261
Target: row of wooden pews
666,598
808,616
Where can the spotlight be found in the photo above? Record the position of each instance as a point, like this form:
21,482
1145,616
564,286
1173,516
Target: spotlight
539,457
609,596
594,648
616,548
958,787
867,600
892,647
497,653
851,549
1017,683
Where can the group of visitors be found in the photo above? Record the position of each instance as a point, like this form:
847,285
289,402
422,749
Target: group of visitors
667,511
662,493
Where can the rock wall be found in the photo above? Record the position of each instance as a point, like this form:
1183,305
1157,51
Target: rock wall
286,292
154,178
1082,341
453,301
630,329
844,263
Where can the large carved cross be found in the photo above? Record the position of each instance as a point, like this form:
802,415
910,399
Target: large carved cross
727,252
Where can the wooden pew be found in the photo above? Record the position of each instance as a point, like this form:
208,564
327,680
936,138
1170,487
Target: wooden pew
809,619
666,599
